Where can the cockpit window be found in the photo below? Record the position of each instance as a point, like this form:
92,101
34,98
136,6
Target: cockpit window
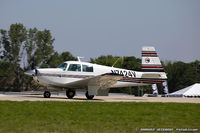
74,67
63,66
87,68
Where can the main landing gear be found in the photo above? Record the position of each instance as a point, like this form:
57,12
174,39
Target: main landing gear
47,94
89,96
70,93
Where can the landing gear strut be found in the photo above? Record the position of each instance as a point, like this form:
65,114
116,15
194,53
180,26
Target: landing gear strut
70,93
89,96
47,94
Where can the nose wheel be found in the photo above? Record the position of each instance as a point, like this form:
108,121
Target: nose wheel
47,94
70,93
89,96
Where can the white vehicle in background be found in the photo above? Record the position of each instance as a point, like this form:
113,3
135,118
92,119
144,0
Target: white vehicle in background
97,79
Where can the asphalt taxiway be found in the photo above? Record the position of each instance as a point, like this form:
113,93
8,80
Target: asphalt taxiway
80,97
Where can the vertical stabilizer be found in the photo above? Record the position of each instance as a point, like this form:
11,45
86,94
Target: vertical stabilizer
150,60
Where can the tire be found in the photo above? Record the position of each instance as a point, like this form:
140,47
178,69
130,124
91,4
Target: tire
47,94
90,97
70,93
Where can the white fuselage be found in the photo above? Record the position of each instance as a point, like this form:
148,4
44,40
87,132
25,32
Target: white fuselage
63,76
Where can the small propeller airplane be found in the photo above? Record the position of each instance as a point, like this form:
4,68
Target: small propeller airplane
97,79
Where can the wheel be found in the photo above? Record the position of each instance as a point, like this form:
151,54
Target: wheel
47,94
70,93
89,96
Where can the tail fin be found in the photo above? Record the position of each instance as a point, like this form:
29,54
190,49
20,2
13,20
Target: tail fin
150,60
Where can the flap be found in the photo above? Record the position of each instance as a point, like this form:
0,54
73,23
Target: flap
151,75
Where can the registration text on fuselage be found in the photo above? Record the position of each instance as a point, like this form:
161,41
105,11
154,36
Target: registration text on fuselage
125,73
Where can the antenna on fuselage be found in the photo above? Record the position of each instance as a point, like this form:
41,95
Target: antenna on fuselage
115,62
79,58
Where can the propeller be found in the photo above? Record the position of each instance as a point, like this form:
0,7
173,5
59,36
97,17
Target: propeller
31,72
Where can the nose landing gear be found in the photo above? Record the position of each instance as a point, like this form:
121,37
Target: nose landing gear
47,94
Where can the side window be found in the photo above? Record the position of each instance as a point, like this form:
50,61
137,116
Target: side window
87,68
74,67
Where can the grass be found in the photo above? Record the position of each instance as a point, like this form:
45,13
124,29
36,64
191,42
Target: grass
91,117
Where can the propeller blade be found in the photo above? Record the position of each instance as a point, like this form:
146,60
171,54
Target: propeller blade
33,66
30,72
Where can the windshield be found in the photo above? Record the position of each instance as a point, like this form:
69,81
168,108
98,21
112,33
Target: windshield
63,66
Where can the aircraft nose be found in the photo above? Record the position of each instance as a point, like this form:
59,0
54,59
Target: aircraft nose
30,72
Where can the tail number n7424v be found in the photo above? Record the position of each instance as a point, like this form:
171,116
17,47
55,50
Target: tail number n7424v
124,72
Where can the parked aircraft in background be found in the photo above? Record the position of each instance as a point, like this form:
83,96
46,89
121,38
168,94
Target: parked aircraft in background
97,79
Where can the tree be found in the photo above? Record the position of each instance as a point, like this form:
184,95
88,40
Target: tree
131,62
21,50
44,49
54,60
108,60
181,75
39,48
30,48
12,42
67,56
7,76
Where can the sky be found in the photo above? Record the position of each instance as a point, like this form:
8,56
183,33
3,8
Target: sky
91,28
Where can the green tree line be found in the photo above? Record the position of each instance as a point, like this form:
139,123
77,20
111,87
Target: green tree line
22,49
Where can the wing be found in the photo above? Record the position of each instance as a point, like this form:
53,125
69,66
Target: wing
96,84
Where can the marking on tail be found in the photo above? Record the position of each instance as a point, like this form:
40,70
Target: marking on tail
150,59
